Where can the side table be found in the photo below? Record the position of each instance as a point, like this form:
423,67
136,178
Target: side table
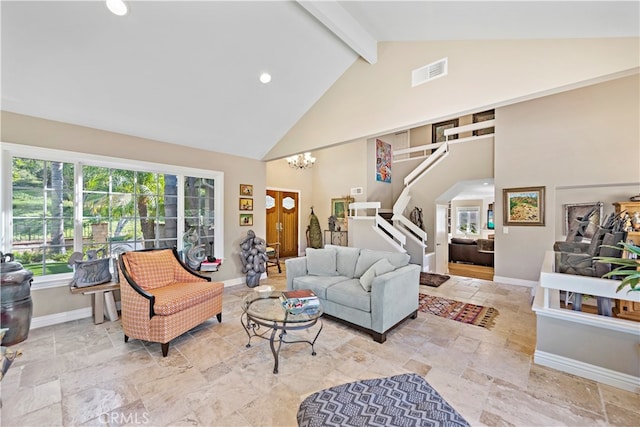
101,294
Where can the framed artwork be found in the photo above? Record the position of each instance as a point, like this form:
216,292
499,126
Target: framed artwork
574,211
340,207
490,224
246,190
437,130
523,206
246,219
246,204
383,161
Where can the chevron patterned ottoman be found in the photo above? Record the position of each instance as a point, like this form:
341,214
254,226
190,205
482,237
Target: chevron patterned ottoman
400,400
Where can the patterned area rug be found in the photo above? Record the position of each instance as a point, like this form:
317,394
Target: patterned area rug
400,400
432,279
459,311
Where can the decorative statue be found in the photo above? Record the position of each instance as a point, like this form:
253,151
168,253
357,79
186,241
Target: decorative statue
315,232
254,258
194,252
416,217
332,223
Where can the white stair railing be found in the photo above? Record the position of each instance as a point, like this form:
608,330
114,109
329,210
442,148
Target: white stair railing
400,221
394,233
426,165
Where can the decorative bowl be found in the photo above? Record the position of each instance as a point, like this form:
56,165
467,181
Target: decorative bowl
264,291
294,306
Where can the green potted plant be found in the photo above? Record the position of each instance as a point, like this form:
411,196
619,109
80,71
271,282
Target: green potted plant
627,268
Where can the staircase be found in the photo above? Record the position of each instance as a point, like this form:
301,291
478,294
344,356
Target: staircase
371,228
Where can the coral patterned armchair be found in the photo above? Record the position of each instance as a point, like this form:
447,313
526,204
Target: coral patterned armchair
161,298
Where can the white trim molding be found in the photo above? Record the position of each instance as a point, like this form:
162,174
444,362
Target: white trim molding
586,370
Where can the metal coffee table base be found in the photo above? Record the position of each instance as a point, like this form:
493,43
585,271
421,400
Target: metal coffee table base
253,328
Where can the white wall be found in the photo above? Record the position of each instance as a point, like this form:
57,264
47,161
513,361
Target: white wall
336,171
580,139
376,99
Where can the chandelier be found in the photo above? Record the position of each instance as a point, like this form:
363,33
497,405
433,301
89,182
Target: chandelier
301,161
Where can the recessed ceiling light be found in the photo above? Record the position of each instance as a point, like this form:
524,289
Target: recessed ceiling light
265,78
117,7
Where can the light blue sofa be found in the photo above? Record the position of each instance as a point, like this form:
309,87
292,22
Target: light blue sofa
340,277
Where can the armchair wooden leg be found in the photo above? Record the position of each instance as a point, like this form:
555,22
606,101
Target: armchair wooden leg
219,317
126,338
165,349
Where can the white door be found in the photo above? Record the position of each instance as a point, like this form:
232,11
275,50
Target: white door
442,240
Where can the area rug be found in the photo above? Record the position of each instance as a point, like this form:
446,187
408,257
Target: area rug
400,400
456,310
432,279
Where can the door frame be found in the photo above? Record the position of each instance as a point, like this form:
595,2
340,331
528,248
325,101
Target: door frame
441,238
299,210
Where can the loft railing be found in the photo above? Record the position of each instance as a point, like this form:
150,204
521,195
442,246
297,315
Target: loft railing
432,158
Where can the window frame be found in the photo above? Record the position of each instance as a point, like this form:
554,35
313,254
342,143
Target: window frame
10,150
468,210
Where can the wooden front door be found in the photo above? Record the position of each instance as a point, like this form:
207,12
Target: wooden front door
282,221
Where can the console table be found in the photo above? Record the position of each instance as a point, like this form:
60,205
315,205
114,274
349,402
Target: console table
338,238
101,294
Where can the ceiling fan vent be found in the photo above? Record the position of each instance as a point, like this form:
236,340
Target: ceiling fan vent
429,72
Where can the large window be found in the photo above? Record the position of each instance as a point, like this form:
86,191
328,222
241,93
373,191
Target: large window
468,220
42,210
55,208
126,210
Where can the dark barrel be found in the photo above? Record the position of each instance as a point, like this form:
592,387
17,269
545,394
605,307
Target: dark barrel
15,300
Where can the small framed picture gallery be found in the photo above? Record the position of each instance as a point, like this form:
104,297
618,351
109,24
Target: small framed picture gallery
246,219
246,204
246,190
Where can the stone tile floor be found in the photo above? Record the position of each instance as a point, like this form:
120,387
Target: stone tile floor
78,373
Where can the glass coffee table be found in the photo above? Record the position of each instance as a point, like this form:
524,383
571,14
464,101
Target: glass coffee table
264,313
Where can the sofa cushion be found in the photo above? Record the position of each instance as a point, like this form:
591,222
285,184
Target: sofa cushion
486,245
151,269
380,267
321,262
369,257
318,284
177,297
349,293
346,259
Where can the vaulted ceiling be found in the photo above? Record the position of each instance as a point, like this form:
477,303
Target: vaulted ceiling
186,72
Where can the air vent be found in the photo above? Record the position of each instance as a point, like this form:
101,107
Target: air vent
356,191
429,72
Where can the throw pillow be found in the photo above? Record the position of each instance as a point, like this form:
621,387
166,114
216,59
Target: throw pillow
369,257
321,262
377,269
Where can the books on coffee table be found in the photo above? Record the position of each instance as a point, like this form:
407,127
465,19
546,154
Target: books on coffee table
300,294
300,300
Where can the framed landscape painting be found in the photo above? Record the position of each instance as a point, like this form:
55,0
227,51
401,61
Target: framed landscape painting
523,206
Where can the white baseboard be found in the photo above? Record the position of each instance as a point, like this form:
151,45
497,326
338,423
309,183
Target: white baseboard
515,282
66,316
83,313
586,370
